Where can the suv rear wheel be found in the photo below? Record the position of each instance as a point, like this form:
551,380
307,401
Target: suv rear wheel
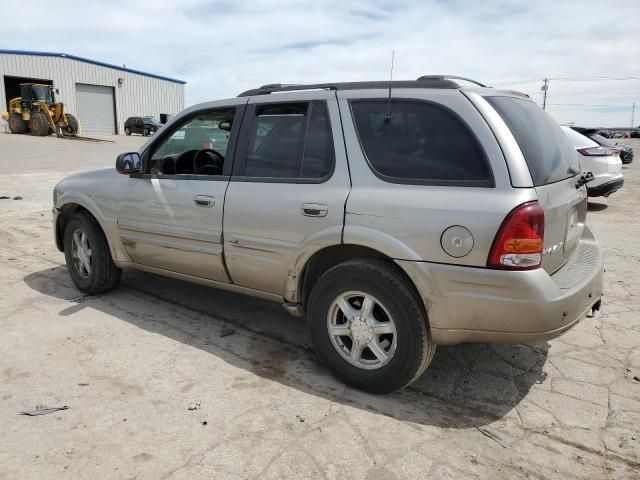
88,256
368,327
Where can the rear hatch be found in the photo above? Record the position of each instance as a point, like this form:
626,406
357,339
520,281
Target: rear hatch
554,168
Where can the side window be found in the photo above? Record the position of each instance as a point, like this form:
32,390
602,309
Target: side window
318,157
419,142
197,147
290,141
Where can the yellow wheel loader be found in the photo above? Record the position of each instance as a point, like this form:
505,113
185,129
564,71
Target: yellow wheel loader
36,111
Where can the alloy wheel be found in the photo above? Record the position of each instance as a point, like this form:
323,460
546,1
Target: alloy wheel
362,330
81,253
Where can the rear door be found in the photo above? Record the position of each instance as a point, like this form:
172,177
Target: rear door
553,165
288,189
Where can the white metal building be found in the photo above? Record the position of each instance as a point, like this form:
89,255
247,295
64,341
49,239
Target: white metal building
102,96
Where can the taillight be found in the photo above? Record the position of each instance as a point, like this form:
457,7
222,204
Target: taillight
598,151
518,243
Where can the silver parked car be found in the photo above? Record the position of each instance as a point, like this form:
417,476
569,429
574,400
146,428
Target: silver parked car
394,216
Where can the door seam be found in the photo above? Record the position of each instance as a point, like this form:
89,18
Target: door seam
346,157
226,189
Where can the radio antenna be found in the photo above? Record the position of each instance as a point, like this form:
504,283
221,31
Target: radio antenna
387,118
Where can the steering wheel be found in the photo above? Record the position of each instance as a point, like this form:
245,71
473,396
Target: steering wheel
212,158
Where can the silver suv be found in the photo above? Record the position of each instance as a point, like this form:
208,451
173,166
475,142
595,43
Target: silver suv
395,216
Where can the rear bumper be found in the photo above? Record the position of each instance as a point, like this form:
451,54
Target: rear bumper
605,189
467,304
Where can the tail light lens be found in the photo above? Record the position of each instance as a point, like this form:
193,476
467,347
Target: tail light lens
519,242
598,151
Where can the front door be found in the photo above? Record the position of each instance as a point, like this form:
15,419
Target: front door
170,216
288,189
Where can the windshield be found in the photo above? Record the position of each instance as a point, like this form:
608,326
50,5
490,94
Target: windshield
43,93
149,120
545,147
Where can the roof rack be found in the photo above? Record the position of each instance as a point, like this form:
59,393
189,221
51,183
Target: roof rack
450,77
280,87
433,81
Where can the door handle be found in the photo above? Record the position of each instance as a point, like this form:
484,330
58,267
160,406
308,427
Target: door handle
204,201
314,209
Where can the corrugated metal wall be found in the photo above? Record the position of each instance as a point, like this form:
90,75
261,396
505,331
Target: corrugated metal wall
138,95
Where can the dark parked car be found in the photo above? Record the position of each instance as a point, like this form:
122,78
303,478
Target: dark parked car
143,125
626,152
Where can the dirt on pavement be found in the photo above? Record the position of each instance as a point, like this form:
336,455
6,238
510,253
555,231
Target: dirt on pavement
156,392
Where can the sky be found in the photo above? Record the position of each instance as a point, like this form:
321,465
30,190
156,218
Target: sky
590,53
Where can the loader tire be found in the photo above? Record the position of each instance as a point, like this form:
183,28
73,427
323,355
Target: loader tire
16,123
72,128
39,125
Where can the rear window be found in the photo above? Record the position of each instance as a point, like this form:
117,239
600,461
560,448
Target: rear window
578,140
418,142
601,140
545,147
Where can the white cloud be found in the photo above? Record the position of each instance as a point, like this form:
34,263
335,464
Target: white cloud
222,48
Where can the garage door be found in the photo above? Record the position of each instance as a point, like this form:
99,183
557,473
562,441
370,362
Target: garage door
95,109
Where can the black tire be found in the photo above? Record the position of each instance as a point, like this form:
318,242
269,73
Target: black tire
384,281
127,131
104,274
72,128
39,125
16,123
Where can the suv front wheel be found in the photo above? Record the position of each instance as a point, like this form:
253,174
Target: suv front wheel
368,327
88,256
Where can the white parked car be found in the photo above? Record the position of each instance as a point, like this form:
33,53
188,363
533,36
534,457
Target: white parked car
603,162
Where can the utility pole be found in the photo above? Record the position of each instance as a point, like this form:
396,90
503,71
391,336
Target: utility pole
633,111
545,89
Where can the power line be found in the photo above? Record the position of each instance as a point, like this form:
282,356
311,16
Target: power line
516,82
571,79
600,94
586,105
594,79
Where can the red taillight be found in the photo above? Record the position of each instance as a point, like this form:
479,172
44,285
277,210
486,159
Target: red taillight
207,145
598,151
518,243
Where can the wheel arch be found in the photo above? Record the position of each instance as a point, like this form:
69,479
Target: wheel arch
66,211
301,280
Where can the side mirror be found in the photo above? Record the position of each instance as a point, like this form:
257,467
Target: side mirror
57,91
127,163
